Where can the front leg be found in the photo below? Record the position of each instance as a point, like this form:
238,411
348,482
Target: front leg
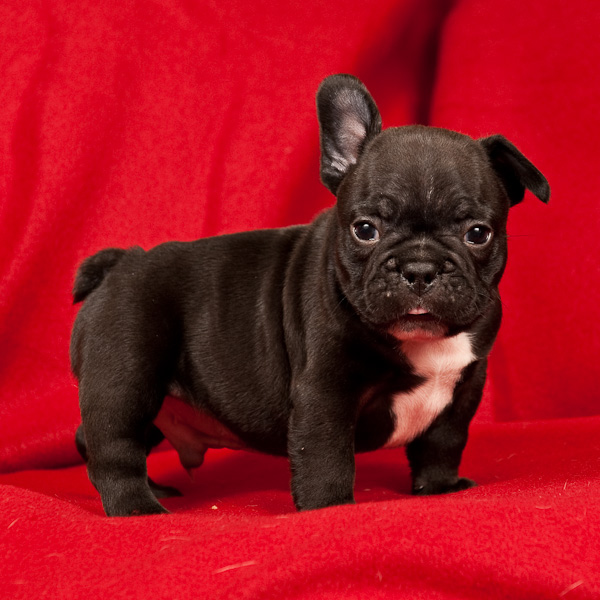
321,447
435,455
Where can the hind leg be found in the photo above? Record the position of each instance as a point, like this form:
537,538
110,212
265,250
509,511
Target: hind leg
153,438
120,394
116,449
124,348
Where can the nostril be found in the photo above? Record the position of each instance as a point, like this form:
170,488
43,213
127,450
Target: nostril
420,276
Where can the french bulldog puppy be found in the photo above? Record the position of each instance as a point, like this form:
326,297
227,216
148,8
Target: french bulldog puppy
367,328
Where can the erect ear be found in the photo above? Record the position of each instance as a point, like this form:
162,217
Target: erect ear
515,171
348,118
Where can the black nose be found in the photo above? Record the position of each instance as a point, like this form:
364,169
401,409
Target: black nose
419,276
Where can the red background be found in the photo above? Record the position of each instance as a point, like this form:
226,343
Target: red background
127,123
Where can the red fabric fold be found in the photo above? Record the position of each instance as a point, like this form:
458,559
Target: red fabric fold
125,123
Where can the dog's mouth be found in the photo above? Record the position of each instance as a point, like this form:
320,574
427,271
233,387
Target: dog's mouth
418,324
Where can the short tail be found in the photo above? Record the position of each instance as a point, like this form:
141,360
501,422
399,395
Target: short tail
93,270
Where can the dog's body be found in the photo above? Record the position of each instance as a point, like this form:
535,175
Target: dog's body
367,328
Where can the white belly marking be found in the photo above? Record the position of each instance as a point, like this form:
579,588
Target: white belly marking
441,363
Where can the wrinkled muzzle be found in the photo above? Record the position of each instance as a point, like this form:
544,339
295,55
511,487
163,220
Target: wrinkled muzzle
419,291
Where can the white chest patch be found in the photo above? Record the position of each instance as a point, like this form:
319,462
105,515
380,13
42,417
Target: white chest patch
441,363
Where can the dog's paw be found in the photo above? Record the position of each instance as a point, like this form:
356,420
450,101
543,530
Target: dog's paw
151,510
458,484
133,506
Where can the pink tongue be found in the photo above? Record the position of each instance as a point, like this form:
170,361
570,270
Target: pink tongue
418,311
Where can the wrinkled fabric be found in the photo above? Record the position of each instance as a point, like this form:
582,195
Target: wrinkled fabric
134,123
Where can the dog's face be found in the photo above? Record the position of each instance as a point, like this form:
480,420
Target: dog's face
422,213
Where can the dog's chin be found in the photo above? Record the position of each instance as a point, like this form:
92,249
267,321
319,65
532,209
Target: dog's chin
418,327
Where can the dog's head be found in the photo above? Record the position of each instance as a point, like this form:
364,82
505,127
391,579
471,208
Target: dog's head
422,212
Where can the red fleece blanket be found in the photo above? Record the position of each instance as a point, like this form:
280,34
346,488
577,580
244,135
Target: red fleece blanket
125,123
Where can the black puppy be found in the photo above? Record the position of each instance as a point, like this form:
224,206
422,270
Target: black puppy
367,328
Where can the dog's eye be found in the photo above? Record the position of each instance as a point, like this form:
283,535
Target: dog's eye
365,231
478,235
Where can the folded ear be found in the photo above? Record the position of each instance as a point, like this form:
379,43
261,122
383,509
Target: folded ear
515,171
348,118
